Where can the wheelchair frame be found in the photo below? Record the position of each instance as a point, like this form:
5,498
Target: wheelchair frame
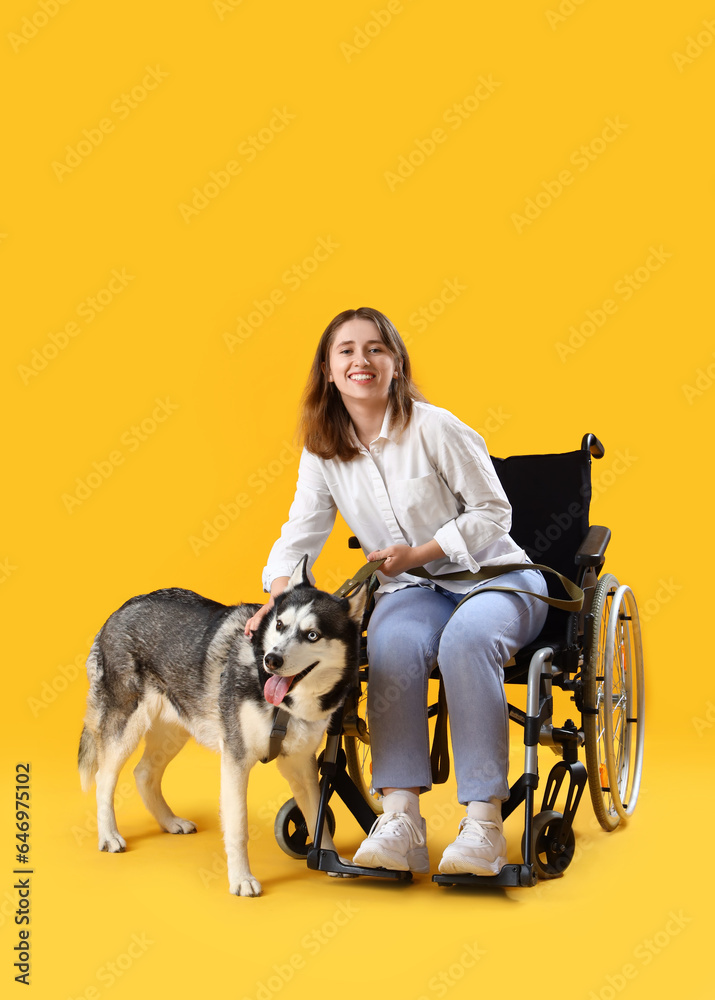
598,662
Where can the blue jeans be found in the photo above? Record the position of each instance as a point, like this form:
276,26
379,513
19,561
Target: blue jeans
411,630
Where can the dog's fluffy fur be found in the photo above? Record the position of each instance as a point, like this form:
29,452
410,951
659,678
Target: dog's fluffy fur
172,664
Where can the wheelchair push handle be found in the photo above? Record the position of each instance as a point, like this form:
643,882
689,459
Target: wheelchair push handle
590,443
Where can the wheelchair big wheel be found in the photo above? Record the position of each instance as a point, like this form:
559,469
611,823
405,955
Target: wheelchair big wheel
359,762
291,829
359,758
614,703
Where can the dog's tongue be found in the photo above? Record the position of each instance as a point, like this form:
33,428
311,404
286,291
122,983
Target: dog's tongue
276,688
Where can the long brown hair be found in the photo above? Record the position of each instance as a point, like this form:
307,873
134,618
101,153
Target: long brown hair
324,425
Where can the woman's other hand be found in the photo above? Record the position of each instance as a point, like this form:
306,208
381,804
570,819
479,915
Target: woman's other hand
277,587
253,623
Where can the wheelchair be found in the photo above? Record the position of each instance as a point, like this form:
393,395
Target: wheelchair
595,656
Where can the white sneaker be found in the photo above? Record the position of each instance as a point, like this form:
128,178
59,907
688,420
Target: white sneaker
480,847
395,841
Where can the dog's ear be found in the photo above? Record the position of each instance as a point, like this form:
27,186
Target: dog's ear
357,603
299,577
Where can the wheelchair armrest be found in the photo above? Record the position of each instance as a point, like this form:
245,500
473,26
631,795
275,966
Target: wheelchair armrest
592,549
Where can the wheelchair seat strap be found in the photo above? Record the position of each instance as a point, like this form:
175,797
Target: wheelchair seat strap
439,756
575,593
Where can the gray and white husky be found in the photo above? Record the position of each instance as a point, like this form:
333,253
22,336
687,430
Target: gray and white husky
172,664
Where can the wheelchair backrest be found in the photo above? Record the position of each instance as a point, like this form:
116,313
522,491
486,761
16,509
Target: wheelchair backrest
550,497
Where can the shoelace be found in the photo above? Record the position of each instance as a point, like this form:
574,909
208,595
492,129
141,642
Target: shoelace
399,820
477,828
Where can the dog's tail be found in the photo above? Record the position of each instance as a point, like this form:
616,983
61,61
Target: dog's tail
87,759
87,756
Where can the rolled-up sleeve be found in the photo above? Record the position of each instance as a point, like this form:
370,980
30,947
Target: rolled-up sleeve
310,521
461,458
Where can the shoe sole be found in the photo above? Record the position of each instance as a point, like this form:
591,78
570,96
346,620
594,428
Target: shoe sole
458,864
416,861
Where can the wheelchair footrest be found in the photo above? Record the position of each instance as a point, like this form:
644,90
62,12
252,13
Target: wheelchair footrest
328,861
510,876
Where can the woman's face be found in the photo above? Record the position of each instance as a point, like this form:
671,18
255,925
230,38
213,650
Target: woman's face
359,362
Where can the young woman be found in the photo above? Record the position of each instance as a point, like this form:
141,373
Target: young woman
418,488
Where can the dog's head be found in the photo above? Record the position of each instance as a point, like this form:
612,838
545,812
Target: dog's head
307,647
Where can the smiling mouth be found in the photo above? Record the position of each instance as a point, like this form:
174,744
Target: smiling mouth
361,378
277,686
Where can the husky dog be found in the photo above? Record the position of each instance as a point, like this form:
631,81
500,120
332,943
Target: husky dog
171,664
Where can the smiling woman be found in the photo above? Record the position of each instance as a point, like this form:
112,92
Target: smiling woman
418,487
357,343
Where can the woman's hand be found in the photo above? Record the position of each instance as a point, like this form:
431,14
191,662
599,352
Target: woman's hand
277,587
403,558
253,623
398,559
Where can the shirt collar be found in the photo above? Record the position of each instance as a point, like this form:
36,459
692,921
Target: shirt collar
384,430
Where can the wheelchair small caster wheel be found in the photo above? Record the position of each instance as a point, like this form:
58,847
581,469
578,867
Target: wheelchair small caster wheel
551,858
291,829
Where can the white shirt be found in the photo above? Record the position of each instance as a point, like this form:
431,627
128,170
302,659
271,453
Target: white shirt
434,481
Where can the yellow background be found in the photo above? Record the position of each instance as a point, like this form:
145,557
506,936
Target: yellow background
492,356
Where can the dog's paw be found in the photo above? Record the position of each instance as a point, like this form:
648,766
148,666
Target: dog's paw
245,885
114,843
178,825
